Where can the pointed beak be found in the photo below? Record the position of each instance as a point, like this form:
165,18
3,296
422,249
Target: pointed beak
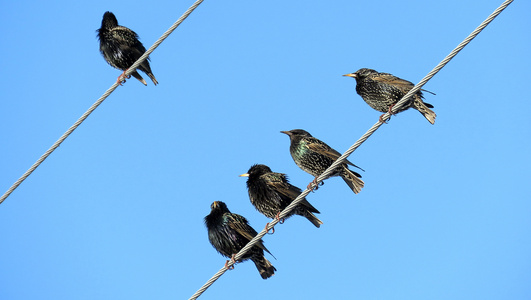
286,132
244,175
215,204
353,75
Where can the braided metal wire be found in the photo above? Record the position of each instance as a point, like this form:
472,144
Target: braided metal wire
98,102
360,141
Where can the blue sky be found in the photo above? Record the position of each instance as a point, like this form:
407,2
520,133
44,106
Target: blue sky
117,211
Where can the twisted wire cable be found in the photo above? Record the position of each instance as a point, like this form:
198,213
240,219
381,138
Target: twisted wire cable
98,102
360,141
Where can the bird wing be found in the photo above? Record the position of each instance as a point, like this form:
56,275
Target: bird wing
322,148
393,80
279,183
242,227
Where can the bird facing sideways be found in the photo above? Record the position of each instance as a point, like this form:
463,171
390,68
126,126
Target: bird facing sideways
120,47
383,90
314,157
229,233
271,193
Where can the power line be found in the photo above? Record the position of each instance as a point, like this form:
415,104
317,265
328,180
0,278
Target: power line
99,101
352,148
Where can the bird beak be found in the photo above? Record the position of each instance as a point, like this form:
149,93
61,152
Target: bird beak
353,75
214,204
286,132
244,175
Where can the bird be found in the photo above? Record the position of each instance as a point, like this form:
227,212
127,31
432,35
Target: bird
314,157
271,193
229,233
383,90
120,47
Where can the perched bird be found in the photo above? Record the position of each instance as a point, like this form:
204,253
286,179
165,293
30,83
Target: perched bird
271,193
229,233
314,157
120,47
383,90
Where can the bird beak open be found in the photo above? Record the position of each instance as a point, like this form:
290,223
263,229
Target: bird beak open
286,132
353,75
244,175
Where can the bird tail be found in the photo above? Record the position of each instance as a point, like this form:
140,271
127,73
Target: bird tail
137,76
306,209
312,218
424,109
152,78
352,180
264,266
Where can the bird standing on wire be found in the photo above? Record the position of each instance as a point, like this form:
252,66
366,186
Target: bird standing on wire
314,157
271,193
229,233
120,47
383,90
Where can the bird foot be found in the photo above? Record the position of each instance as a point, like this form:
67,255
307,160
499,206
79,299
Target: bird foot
390,113
281,221
314,186
267,230
233,262
121,79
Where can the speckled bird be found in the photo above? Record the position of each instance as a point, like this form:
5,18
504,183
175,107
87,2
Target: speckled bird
271,193
120,47
383,90
229,233
314,157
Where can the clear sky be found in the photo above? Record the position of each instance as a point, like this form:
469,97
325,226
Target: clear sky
117,211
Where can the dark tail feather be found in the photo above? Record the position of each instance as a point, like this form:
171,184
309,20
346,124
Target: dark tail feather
265,267
307,206
305,209
137,76
152,78
312,218
424,109
352,180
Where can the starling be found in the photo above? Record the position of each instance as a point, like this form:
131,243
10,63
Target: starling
271,193
120,47
229,233
383,90
314,157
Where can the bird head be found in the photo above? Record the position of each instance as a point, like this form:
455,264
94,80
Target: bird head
257,170
297,133
109,21
219,205
361,73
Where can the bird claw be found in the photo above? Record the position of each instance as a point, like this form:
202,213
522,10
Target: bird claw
267,230
382,121
314,186
281,221
122,78
390,114
233,262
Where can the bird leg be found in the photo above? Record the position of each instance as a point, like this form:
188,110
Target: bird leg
281,221
121,79
313,186
390,112
233,262
267,230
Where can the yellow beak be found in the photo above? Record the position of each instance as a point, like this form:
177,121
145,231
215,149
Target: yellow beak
351,75
244,175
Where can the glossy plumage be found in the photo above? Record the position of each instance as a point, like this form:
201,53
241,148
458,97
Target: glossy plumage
314,157
229,233
271,193
120,47
383,90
